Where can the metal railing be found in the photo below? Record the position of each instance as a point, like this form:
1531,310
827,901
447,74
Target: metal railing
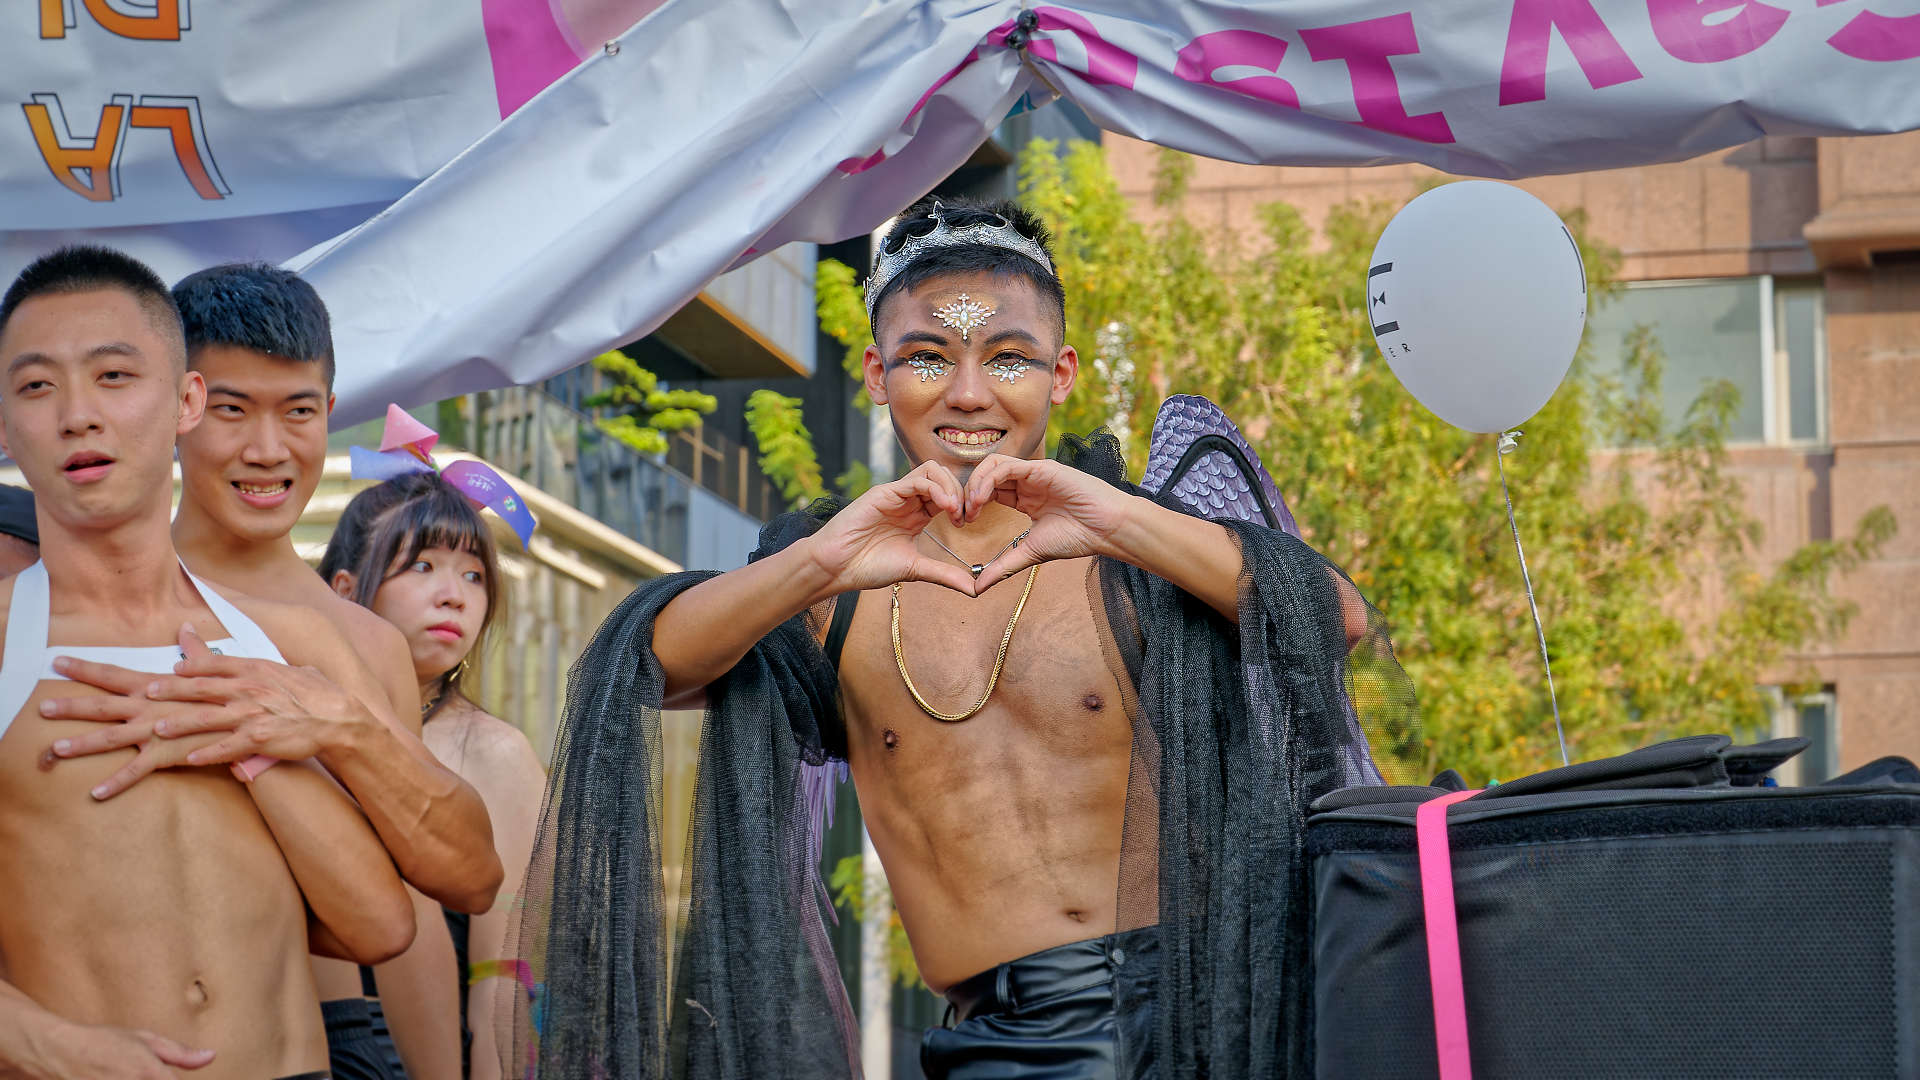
534,436
703,454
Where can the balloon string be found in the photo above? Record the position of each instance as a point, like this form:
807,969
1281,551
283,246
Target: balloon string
1507,445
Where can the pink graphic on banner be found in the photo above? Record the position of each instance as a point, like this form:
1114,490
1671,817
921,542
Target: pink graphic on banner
529,49
1366,47
1523,70
1884,38
1209,53
1706,34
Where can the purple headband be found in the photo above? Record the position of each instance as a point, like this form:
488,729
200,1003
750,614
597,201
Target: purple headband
405,447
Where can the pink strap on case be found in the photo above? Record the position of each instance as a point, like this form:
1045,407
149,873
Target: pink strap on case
1443,936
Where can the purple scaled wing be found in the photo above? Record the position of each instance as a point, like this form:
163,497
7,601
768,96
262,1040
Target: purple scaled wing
1201,459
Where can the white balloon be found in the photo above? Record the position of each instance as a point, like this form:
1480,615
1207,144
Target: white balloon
1477,297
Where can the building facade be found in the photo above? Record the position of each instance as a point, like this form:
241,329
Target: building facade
1790,267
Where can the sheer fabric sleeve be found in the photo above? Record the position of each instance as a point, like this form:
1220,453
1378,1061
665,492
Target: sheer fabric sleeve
1238,726
734,977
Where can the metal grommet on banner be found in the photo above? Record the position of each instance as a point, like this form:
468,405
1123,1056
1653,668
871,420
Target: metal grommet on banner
612,48
1023,30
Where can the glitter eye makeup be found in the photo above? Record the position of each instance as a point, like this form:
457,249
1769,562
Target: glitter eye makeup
928,366
1008,370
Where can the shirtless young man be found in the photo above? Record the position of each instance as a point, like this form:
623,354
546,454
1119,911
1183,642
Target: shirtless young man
978,612
178,916
260,338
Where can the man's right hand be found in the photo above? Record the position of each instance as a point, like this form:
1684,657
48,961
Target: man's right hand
109,1053
870,544
706,629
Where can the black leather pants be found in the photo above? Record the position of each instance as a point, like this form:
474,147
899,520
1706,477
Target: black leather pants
352,1053
1052,1015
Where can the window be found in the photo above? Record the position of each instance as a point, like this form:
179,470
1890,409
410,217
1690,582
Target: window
1764,335
1814,716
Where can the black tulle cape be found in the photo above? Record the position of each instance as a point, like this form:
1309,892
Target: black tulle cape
1236,730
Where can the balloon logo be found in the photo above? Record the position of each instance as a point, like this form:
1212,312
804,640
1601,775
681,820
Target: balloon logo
1477,296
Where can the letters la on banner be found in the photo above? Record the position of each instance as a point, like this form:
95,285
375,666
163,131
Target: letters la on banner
488,192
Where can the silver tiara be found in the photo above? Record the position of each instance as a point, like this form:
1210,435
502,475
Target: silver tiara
887,265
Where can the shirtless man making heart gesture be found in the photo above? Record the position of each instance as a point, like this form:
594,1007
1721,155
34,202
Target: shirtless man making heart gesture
1083,726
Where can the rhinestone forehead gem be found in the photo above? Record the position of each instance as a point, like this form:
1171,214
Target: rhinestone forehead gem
964,314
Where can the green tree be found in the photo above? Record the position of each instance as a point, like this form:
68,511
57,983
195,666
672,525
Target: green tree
842,310
1272,326
786,451
850,891
642,413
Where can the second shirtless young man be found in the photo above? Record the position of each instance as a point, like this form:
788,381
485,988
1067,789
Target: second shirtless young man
168,927
1084,726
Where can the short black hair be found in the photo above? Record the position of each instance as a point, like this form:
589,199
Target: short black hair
922,217
259,307
87,267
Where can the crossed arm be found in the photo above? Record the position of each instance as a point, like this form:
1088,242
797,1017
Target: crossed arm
432,822
358,904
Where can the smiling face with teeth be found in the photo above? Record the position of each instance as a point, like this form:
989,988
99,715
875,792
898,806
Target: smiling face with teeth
969,364
251,466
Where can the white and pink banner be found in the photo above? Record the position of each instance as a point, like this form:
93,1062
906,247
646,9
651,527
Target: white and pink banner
490,191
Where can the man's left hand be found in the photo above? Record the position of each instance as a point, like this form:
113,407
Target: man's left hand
1074,514
262,707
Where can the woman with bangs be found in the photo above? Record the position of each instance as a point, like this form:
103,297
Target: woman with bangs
418,554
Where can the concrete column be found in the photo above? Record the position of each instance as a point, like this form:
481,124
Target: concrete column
876,984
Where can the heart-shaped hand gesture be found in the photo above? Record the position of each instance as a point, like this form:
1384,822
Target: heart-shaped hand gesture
1074,515
870,544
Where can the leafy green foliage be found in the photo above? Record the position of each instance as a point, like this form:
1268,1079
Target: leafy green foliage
642,412
842,309
787,455
855,481
786,446
849,886
1623,544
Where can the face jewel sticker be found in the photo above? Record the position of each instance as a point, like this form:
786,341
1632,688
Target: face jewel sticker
964,314
927,369
1008,372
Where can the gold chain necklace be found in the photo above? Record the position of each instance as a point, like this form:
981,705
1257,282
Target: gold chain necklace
999,658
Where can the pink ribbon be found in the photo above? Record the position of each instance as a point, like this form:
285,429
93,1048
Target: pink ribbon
1443,936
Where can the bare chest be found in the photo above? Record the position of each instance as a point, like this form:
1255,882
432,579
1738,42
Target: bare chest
1056,695
172,821
93,891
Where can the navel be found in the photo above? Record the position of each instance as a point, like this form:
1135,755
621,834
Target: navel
891,738
196,995
1094,702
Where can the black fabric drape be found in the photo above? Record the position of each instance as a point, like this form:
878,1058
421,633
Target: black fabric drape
1236,728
